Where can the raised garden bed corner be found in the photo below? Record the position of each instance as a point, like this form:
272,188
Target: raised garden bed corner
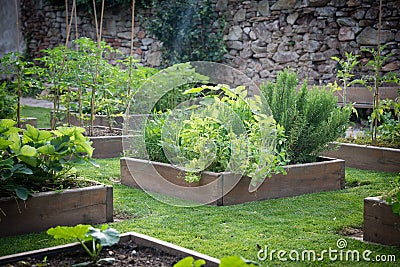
91,205
380,224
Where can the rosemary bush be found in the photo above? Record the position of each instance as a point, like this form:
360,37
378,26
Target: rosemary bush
311,117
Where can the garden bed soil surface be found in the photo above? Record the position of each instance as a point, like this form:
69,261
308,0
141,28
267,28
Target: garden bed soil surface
125,254
133,250
103,131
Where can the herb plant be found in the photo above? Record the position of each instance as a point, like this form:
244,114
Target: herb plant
221,132
92,239
311,118
39,159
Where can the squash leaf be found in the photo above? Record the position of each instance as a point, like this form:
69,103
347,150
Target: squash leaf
70,232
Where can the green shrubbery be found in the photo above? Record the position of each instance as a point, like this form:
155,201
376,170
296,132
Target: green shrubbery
303,124
310,117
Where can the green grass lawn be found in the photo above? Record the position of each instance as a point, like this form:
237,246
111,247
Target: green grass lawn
41,114
308,222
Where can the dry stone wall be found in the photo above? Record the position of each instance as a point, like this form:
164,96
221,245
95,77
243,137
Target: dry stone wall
262,37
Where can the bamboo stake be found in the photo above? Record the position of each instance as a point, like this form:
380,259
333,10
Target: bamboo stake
376,93
76,48
98,32
19,91
68,32
131,52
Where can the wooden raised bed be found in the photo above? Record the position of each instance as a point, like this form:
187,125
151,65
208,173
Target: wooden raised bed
107,146
41,211
99,120
139,239
366,157
30,120
362,97
218,188
380,224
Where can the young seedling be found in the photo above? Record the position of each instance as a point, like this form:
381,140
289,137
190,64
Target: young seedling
85,235
230,261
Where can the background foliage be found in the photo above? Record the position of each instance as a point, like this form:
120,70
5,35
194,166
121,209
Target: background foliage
180,25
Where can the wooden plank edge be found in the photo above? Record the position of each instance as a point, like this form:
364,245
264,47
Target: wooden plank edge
139,239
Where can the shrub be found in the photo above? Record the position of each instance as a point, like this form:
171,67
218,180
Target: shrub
310,117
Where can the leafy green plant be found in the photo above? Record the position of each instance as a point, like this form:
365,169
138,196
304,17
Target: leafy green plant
374,81
92,239
73,75
230,261
388,131
39,159
202,137
345,72
8,103
392,197
311,118
20,72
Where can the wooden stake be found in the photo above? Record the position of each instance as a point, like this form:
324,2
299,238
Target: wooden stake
19,91
131,52
98,32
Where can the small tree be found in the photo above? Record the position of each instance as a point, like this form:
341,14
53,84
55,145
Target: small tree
345,72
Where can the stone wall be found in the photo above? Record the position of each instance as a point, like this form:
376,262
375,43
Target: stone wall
8,28
262,37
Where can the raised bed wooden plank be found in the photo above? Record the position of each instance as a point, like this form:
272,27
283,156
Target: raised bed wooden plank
363,97
301,179
165,179
139,239
380,224
366,157
107,146
41,211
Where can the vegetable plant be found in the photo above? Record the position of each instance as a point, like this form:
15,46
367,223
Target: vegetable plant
8,103
39,159
230,261
92,239
220,132
393,197
310,117
20,72
344,72
374,81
